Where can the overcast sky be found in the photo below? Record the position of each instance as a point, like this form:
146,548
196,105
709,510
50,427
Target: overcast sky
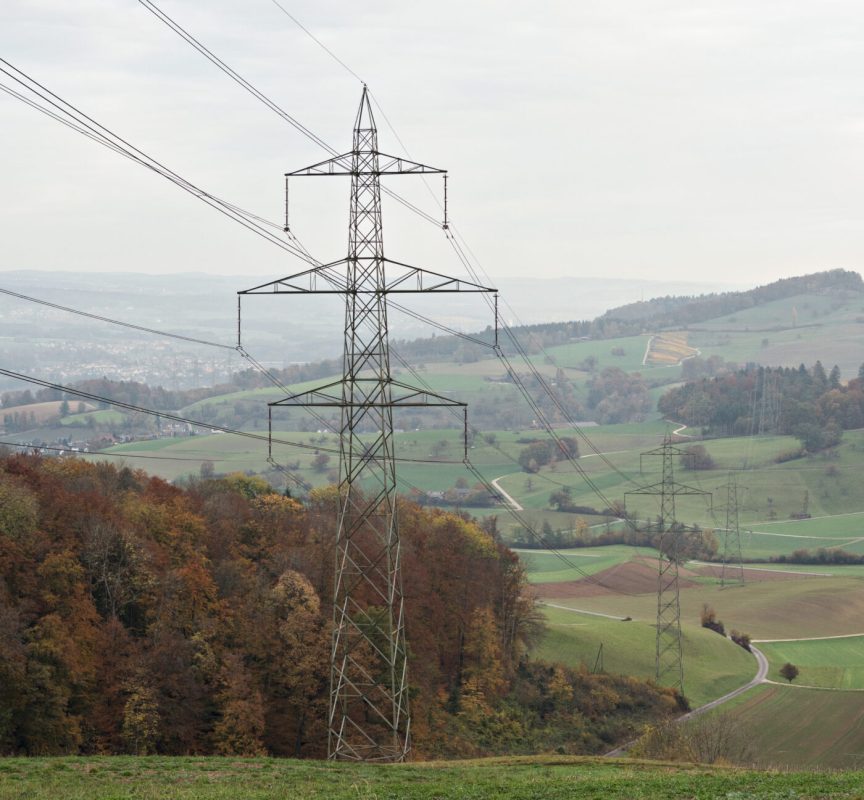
717,141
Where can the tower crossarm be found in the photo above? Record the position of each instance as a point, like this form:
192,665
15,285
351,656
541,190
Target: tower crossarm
371,162
333,278
332,395
675,489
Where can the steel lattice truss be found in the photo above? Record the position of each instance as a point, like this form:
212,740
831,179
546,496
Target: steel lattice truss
669,660
369,718
732,572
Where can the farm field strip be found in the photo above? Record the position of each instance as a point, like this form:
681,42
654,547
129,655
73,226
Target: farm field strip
780,608
829,663
792,727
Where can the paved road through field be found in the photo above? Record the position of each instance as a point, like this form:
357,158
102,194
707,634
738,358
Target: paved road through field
761,674
514,503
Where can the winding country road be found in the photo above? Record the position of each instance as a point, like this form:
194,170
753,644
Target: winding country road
760,677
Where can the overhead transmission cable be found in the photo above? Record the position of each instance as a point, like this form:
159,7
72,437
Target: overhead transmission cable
73,118
189,38
110,320
246,218
121,145
102,134
186,420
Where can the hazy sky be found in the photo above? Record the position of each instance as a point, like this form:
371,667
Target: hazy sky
716,141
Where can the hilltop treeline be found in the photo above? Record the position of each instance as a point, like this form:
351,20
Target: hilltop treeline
139,617
673,312
809,403
629,320
634,318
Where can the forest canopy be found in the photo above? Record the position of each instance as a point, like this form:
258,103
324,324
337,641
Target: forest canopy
140,617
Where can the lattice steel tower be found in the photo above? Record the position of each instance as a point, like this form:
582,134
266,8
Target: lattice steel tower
669,659
732,571
369,717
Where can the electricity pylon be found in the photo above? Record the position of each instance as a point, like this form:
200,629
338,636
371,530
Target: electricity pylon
369,717
669,659
732,571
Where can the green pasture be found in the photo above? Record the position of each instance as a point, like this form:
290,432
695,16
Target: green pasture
832,663
713,664
796,728
267,395
101,417
572,354
849,525
801,310
801,606
551,777
544,566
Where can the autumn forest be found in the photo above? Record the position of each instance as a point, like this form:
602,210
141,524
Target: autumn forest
139,617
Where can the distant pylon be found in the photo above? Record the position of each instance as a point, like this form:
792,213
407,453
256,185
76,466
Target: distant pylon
732,570
669,657
369,717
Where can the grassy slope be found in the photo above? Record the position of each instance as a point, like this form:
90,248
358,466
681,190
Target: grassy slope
803,728
834,663
547,567
714,666
548,777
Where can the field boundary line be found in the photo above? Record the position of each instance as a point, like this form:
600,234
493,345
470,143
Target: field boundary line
583,611
809,639
807,686
568,551
647,350
821,516
767,569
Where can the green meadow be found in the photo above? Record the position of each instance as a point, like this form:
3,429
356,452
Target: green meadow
527,778
829,663
714,665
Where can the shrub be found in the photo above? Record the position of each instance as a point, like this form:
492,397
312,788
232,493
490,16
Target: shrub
709,620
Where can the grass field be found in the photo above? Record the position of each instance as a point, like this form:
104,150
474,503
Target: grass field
41,411
714,665
802,607
529,778
547,567
832,663
104,416
797,728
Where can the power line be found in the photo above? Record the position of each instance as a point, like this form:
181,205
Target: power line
112,321
185,420
235,76
234,212
317,40
454,243
98,453
76,120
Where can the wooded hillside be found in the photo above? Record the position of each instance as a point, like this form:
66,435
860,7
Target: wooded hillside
139,617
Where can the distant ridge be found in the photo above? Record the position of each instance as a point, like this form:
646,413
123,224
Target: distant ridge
663,312
647,316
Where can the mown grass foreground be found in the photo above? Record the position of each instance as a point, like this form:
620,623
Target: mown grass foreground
548,777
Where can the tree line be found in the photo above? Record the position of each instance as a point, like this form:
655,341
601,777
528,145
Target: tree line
805,402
